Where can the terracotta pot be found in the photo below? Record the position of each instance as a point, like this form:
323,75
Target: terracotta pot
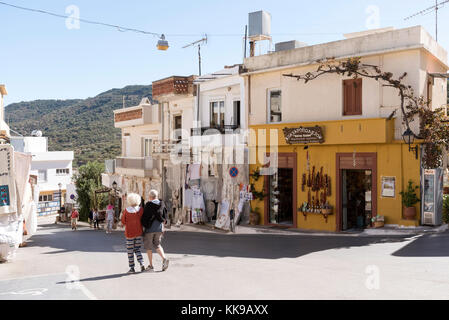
254,218
410,213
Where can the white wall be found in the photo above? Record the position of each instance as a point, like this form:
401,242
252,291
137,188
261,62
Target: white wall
52,178
30,144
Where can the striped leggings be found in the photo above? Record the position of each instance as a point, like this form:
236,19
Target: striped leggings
133,246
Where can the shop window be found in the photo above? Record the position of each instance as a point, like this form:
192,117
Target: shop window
352,97
236,113
217,113
274,106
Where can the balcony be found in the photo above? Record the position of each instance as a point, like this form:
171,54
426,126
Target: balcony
171,86
137,166
136,116
162,149
226,129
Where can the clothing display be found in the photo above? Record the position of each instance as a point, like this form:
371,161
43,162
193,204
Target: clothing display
8,195
198,207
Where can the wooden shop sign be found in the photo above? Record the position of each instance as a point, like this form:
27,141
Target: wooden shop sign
303,135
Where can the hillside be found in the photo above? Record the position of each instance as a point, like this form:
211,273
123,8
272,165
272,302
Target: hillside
84,126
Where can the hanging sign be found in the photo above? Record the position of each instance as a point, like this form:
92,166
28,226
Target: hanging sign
303,135
233,172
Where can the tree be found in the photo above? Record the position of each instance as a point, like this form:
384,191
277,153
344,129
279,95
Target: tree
87,180
434,131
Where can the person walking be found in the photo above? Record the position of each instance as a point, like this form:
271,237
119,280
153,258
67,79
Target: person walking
153,219
74,218
91,217
96,219
131,219
110,217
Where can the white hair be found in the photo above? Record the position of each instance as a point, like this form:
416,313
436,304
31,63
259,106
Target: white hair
154,194
133,199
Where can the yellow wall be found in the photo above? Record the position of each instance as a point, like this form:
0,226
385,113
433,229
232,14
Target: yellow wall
393,159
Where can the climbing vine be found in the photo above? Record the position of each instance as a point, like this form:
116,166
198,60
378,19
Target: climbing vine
434,131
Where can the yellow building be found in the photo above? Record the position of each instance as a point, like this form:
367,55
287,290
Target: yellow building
342,154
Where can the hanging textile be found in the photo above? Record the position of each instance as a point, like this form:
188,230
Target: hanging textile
8,195
198,207
223,219
22,167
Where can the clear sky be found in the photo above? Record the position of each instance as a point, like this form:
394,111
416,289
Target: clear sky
40,58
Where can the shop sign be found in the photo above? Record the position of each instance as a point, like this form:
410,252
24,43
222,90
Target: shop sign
303,135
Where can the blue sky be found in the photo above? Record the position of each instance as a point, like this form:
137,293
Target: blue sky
40,58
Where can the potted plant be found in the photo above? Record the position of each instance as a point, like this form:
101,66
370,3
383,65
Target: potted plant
378,221
254,216
409,199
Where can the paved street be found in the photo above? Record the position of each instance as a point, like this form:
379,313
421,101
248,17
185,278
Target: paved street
216,265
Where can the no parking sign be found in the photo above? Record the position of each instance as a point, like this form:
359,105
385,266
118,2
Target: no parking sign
233,172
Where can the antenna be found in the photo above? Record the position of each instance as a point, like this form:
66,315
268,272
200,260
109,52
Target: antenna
436,7
199,43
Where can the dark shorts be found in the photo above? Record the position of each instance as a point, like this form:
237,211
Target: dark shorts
152,240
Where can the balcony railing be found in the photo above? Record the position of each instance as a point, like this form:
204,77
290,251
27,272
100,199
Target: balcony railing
225,129
140,163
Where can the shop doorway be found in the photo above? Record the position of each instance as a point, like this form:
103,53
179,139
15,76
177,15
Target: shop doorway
356,190
356,199
280,203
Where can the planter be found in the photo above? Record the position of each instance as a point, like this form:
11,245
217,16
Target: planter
378,224
254,218
410,213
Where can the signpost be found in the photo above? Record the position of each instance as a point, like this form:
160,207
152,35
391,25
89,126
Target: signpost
303,135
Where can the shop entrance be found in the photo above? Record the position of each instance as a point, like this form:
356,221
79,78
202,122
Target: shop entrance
356,199
280,203
356,190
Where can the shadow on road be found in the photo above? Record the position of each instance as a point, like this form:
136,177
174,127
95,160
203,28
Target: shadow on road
429,245
263,246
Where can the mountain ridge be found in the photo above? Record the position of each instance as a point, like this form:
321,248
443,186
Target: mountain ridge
85,126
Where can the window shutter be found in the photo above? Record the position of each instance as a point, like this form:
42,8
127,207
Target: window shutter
352,96
358,96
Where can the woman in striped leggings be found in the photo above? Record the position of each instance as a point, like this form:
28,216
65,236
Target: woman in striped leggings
133,230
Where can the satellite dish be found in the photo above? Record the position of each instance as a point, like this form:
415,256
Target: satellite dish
36,133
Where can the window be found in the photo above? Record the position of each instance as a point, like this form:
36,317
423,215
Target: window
236,114
217,114
352,97
147,144
177,126
63,171
42,176
45,198
274,101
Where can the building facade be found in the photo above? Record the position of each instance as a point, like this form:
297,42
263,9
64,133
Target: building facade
219,146
135,170
335,142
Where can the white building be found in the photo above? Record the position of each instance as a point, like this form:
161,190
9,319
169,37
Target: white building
219,140
52,168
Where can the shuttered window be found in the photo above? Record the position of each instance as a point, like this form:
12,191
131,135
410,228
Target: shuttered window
352,97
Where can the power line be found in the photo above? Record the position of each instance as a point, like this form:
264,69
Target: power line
119,28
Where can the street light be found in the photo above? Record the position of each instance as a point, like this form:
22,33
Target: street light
409,138
162,44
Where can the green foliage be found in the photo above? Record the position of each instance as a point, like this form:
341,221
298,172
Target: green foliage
84,126
409,197
446,208
87,180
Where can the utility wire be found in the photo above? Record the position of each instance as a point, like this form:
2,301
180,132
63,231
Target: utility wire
120,28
